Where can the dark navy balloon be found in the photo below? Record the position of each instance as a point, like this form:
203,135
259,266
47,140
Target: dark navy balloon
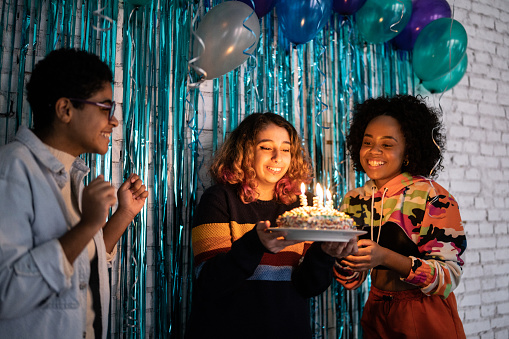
347,7
261,7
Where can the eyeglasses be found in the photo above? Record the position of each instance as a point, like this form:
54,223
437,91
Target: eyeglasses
110,107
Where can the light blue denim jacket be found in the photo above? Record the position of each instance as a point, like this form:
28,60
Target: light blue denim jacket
37,299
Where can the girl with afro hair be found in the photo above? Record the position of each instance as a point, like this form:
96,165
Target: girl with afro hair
415,239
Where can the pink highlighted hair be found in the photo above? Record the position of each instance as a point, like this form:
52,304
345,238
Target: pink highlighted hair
233,163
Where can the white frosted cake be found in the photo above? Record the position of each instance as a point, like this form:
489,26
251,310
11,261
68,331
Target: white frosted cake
311,217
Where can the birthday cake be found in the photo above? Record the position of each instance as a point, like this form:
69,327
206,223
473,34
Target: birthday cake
315,217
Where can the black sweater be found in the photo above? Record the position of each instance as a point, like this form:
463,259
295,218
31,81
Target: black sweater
241,290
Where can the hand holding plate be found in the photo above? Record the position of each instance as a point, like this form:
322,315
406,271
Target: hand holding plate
273,240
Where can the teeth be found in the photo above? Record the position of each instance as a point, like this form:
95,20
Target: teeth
274,169
106,135
376,163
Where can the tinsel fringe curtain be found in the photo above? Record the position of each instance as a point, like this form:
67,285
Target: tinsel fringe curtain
171,126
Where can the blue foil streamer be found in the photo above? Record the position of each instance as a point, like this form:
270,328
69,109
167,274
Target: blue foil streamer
154,92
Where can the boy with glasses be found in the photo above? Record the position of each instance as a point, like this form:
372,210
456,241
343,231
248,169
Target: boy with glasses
55,241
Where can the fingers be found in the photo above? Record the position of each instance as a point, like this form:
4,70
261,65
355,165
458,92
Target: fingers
135,185
98,197
102,191
273,240
340,249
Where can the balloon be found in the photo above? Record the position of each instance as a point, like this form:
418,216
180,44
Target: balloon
301,20
139,2
347,7
261,7
225,38
381,20
449,80
439,48
423,12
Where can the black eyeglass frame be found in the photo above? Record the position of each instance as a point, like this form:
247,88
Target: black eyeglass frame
99,104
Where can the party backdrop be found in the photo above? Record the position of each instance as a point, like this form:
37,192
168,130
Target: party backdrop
186,73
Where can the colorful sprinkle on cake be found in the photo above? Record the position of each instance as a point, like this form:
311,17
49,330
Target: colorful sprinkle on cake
312,217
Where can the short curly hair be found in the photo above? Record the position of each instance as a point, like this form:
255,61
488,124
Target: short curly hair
65,72
234,161
421,126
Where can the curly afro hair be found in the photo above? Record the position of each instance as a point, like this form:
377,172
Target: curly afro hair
421,127
64,72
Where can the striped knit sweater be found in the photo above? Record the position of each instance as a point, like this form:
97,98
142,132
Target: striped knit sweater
241,290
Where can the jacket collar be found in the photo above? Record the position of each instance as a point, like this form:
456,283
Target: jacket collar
48,160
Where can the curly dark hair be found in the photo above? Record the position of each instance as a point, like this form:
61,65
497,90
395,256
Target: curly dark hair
420,124
66,72
235,159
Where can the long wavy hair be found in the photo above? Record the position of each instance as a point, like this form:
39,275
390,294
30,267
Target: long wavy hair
421,127
234,161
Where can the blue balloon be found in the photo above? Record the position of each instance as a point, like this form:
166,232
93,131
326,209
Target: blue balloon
301,20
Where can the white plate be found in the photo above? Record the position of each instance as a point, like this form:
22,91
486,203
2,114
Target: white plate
318,235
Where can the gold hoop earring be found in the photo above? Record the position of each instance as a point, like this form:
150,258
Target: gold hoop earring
406,162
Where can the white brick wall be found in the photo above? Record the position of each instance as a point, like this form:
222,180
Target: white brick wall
476,114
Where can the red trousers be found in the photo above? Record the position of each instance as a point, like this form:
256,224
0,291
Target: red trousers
410,314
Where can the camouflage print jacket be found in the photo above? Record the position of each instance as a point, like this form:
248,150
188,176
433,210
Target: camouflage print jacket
419,219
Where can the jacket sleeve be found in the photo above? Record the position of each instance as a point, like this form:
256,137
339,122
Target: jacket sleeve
29,274
345,276
442,241
221,264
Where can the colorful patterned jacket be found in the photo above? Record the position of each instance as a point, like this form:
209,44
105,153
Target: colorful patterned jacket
419,219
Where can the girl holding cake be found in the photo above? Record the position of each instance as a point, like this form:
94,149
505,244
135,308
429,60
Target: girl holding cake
415,241
249,281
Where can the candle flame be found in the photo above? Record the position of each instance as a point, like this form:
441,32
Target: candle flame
319,190
302,188
329,195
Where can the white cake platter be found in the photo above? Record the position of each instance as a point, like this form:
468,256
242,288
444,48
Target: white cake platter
310,234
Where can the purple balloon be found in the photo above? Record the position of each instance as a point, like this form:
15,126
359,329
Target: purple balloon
347,7
423,12
261,7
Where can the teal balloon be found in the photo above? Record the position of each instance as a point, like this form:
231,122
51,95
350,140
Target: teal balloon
381,20
449,80
439,48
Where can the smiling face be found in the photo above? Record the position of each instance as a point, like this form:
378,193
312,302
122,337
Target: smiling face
90,129
271,159
383,149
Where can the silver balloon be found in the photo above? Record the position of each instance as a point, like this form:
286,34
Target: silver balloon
222,37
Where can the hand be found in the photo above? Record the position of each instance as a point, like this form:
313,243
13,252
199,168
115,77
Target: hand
98,197
369,255
340,249
132,195
273,241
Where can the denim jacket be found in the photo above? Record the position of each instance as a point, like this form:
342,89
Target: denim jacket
37,299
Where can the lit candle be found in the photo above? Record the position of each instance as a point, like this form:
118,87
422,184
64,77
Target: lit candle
328,204
303,198
318,198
